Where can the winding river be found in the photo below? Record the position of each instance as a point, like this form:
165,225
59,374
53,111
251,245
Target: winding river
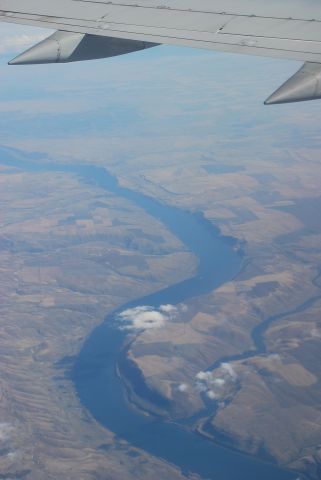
95,373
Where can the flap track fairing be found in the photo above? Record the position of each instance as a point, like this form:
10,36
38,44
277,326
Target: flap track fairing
304,85
64,47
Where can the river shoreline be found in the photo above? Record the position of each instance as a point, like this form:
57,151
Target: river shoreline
200,427
95,374
145,421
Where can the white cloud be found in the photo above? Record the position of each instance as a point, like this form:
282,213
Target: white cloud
315,333
274,357
219,382
16,43
5,431
168,308
204,376
15,38
227,367
183,387
146,317
215,386
14,455
142,318
212,395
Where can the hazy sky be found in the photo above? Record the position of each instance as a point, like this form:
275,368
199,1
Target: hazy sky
166,92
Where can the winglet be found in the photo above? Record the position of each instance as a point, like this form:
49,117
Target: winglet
304,85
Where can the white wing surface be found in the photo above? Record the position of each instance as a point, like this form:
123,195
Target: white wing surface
288,29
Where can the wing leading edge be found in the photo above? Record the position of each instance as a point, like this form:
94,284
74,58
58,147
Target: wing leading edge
90,29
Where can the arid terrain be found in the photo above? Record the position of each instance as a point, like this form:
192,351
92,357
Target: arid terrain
249,351
266,401
69,253
239,365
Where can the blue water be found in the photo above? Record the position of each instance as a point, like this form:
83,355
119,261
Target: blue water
95,370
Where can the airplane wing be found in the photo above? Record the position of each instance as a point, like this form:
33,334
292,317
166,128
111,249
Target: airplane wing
289,29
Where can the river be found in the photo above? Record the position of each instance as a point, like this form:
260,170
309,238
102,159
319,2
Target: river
95,372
